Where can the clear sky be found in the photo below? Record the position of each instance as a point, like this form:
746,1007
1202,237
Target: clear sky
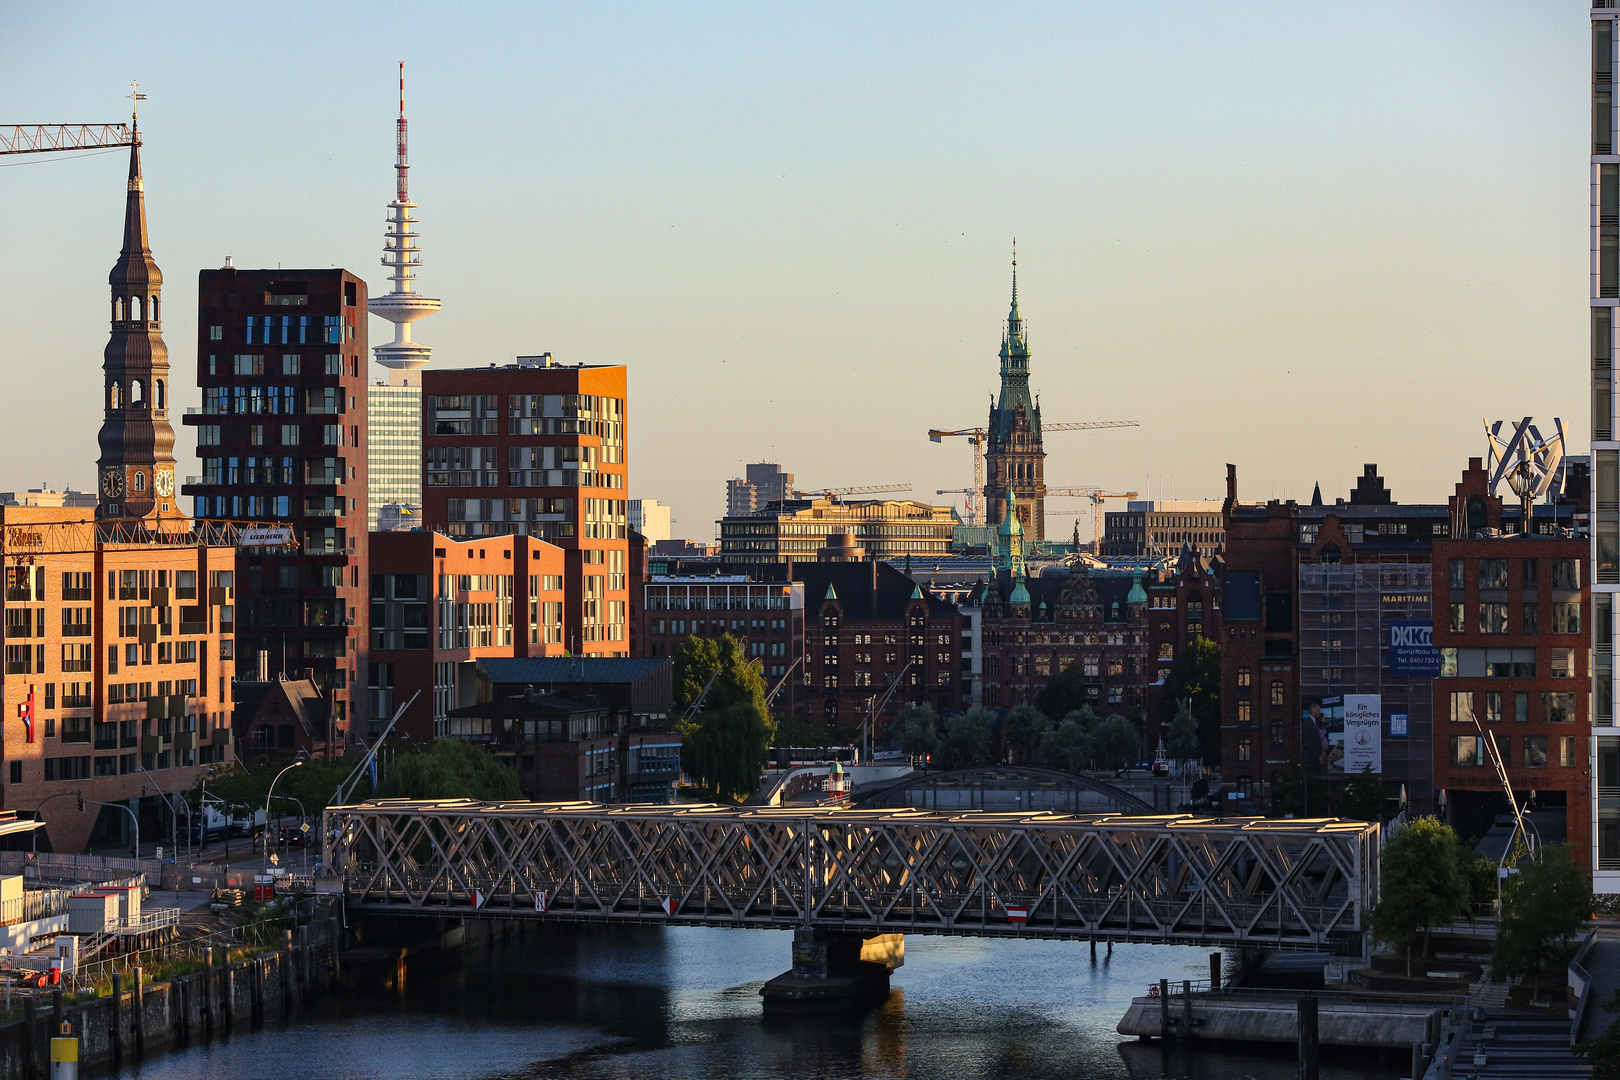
1297,237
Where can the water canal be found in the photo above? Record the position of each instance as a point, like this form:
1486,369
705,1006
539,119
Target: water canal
645,1002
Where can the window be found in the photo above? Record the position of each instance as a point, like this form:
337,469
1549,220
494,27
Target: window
1535,751
1277,730
249,364
1244,716
1566,574
1459,618
1458,577
289,364
1462,706
1566,751
1493,706
1467,750
1561,663
1243,676
1167,651
334,364
1276,692
1245,749
1528,570
1558,708
1566,618
1521,707
1528,617
1493,573
1493,618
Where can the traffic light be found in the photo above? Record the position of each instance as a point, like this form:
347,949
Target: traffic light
81,801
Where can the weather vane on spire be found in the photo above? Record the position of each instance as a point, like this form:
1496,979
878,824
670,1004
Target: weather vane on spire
135,99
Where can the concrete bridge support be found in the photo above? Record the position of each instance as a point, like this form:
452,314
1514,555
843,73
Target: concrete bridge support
835,970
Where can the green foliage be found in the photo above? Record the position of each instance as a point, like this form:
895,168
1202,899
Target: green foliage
1068,745
1546,902
725,749
1064,694
449,769
967,739
1181,737
916,731
1423,884
1481,874
1604,1051
694,662
1196,676
698,659
791,731
1026,727
1361,798
1116,743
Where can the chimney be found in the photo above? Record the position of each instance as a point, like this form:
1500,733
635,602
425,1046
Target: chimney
1231,487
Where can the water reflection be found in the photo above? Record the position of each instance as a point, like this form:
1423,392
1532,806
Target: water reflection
623,1002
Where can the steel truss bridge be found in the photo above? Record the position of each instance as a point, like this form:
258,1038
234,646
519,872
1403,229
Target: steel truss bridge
1176,879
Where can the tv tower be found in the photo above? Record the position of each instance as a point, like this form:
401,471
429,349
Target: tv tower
402,306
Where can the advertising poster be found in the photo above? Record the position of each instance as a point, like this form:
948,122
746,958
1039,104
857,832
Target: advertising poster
1321,737
1412,651
1363,733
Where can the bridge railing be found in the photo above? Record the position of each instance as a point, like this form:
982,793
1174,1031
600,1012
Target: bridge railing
1303,884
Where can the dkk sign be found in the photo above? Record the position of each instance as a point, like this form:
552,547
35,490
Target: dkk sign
1411,649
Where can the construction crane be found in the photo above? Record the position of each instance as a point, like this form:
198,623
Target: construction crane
43,138
978,436
835,492
1096,495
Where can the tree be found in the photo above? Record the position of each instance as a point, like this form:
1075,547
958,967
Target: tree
1181,738
1604,1051
1064,694
1546,902
916,731
725,749
449,769
1026,727
1196,677
1362,797
1068,745
967,739
1423,882
694,662
1116,743
734,677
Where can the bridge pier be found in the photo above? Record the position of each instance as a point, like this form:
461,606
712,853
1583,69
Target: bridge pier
834,970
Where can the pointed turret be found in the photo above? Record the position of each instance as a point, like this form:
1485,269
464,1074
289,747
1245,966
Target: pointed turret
1014,456
136,466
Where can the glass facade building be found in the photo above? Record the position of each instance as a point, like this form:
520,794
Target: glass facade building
1604,288
395,449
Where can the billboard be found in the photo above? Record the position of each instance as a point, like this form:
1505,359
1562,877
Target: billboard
1411,649
1363,733
1321,737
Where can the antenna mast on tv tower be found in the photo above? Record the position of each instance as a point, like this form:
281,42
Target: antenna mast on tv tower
402,306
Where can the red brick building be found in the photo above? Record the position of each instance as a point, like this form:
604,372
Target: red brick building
538,449
1512,615
1184,604
440,603
865,624
767,617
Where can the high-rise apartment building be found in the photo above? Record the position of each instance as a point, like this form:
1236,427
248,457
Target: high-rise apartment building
1015,459
651,519
395,410
282,436
1604,277
538,449
762,483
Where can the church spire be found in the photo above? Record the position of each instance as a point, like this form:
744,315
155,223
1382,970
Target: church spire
136,467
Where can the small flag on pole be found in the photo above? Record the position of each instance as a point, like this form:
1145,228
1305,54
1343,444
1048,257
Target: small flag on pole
540,901
1017,913
669,905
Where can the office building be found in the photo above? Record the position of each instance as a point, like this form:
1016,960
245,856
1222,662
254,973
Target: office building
767,617
1604,294
41,496
802,529
1015,457
1162,527
761,484
651,519
538,449
438,604
282,435
1184,605
395,409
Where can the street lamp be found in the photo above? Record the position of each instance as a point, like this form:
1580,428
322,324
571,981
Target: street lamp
267,795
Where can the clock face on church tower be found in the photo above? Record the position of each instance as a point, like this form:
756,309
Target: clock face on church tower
164,482
112,483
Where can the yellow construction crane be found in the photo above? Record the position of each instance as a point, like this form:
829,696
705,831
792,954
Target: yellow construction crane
1096,495
43,138
978,436
835,492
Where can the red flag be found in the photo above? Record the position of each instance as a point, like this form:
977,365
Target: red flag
669,905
